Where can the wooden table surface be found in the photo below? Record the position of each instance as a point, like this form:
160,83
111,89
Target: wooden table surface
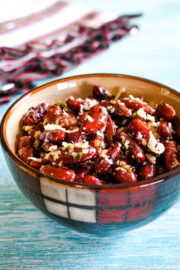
30,240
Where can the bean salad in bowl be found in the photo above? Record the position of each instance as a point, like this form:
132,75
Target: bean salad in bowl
101,139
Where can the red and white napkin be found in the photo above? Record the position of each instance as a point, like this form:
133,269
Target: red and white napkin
44,38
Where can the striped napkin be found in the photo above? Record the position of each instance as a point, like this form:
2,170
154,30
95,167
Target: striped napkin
45,38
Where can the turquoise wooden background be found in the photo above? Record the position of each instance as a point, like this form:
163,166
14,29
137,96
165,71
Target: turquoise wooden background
30,240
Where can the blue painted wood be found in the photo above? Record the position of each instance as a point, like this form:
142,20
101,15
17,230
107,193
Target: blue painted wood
30,240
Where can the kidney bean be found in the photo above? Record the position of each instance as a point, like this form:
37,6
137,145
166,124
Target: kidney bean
164,129
106,160
53,135
145,137
110,131
59,173
147,171
25,141
116,108
131,146
137,103
76,104
76,155
123,172
96,120
171,155
165,111
77,136
37,164
100,93
176,126
26,152
67,120
47,146
81,174
41,108
35,115
92,180
53,113
31,118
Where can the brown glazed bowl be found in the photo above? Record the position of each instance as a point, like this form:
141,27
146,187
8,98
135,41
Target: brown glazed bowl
100,210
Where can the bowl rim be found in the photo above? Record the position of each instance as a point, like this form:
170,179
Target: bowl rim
33,171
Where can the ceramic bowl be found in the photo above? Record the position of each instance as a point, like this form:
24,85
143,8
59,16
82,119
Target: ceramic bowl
101,210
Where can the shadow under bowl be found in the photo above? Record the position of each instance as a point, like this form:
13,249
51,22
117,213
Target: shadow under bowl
100,210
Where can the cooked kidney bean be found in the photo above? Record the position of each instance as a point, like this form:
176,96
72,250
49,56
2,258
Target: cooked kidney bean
147,171
80,174
35,115
170,155
92,180
53,113
145,137
165,111
76,104
110,131
131,147
67,120
100,93
59,173
25,153
41,108
119,140
96,120
76,155
25,141
176,125
107,159
77,136
165,129
123,172
116,108
136,103
53,135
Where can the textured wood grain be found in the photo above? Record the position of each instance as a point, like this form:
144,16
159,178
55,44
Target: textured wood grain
30,240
